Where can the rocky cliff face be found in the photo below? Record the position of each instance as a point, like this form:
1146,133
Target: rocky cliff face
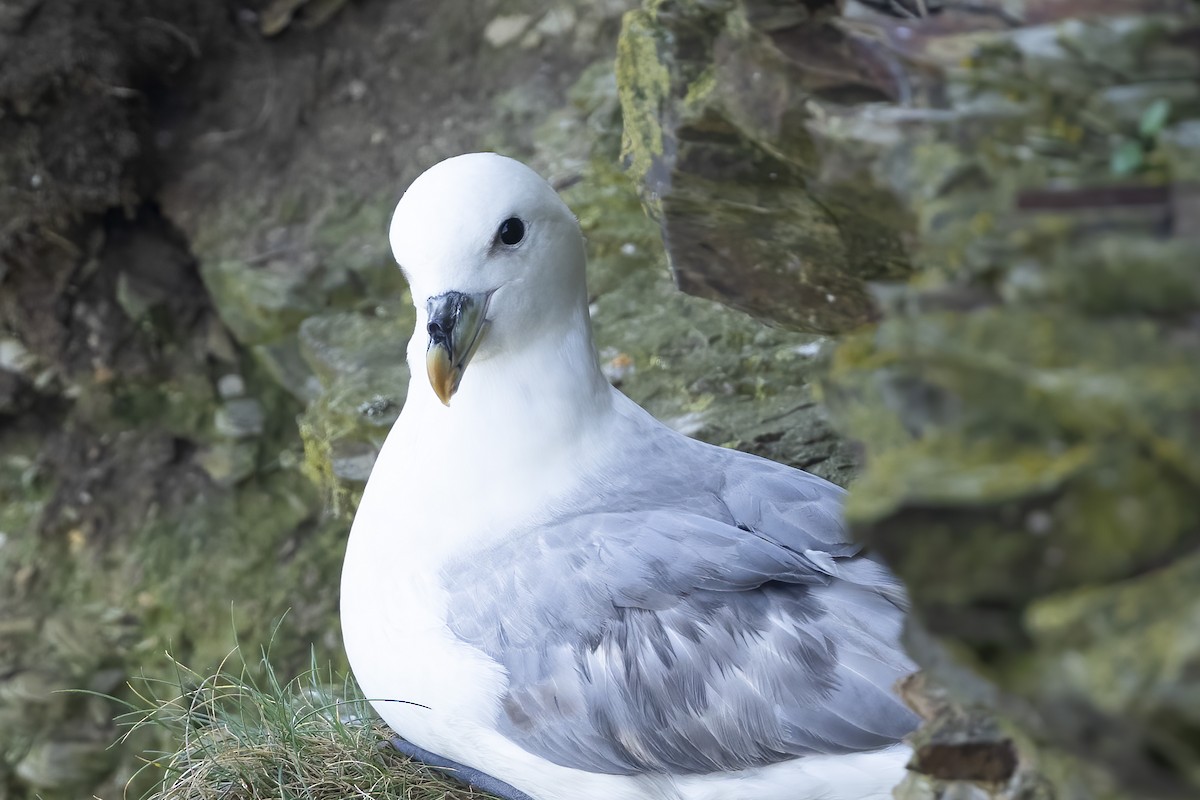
202,331
993,205
997,203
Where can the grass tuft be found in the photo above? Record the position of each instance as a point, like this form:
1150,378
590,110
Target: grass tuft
243,734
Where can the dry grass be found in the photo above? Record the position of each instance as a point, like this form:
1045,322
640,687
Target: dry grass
242,734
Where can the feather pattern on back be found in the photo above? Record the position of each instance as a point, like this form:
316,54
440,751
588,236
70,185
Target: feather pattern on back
700,611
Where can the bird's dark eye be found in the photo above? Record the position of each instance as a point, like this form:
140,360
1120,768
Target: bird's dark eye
512,231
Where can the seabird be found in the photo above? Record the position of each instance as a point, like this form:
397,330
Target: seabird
557,597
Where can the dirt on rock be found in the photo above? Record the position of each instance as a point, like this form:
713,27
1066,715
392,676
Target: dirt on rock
126,124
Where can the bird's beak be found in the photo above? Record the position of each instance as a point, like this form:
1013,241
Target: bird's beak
457,322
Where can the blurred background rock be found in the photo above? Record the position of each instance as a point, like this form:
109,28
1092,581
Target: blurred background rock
1007,193
992,204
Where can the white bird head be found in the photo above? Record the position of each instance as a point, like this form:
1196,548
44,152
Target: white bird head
495,261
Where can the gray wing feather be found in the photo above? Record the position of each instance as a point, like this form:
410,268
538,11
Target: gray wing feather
700,612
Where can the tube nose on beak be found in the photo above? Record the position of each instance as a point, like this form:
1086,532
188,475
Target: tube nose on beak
456,323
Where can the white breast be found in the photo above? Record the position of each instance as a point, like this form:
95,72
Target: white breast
417,675
393,606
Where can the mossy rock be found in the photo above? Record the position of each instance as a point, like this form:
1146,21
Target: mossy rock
1024,388
359,359
753,211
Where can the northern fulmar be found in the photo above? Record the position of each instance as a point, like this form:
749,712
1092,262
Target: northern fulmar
558,597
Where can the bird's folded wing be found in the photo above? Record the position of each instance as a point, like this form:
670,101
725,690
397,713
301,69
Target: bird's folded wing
668,637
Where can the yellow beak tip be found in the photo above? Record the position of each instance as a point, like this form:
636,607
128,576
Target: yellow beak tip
442,376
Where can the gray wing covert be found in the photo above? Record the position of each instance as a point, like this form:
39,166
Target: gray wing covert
684,628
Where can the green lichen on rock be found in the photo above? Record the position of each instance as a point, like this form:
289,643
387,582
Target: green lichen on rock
83,614
273,263
644,86
714,97
1029,406
1130,651
359,359
1028,400
703,368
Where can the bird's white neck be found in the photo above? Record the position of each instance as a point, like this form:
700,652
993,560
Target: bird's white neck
521,406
